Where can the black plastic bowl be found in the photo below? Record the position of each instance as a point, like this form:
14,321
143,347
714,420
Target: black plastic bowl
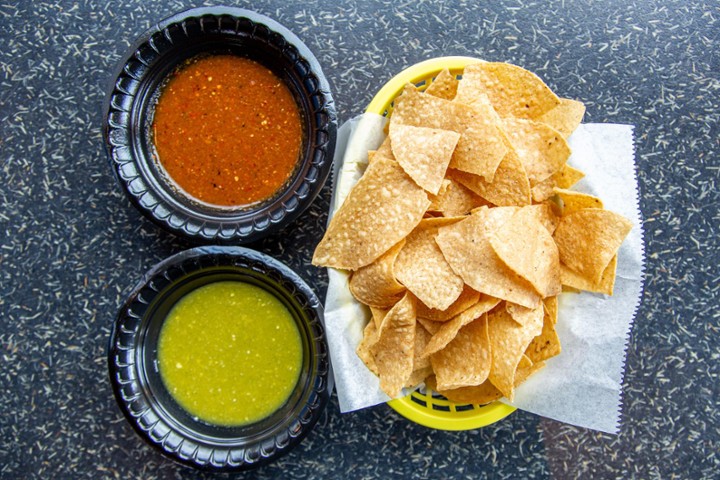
129,106
150,408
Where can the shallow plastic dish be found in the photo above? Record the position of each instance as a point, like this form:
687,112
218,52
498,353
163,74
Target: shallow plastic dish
149,407
424,406
129,105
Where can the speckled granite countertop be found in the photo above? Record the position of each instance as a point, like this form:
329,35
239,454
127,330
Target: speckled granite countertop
71,244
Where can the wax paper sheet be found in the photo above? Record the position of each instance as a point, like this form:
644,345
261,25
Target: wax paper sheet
583,385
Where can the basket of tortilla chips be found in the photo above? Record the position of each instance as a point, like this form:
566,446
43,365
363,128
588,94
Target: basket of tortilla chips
462,232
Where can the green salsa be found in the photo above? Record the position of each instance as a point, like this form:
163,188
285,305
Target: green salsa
230,353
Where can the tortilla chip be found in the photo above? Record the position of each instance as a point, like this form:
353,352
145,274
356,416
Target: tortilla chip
545,213
525,372
421,365
422,338
573,201
385,149
394,349
378,315
525,362
419,109
508,342
547,344
430,383
481,145
588,239
444,85
364,348
467,299
437,222
605,285
429,325
510,185
542,191
481,394
486,392
424,153
565,117
422,268
408,91
418,376
527,316
481,148
467,249
448,330
466,360
524,244
434,199
513,91
550,305
566,177
471,90
455,199
430,214
375,284
541,149
479,101
382,208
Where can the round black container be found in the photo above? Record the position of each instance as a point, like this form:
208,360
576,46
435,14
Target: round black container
150,408
130,102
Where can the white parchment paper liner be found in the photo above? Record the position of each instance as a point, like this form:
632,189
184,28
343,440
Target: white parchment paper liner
583,385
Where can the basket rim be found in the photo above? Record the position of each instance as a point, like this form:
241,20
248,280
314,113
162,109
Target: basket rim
455,420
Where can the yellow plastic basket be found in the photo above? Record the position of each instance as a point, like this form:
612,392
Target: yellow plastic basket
424,406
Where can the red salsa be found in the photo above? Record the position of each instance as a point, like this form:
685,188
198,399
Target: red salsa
227,130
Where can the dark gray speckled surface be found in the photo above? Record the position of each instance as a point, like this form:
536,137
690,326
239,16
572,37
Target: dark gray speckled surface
71,244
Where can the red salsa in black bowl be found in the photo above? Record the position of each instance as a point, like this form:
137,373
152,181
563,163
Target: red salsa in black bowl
219,125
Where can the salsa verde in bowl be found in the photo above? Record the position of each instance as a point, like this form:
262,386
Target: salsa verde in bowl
218,358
